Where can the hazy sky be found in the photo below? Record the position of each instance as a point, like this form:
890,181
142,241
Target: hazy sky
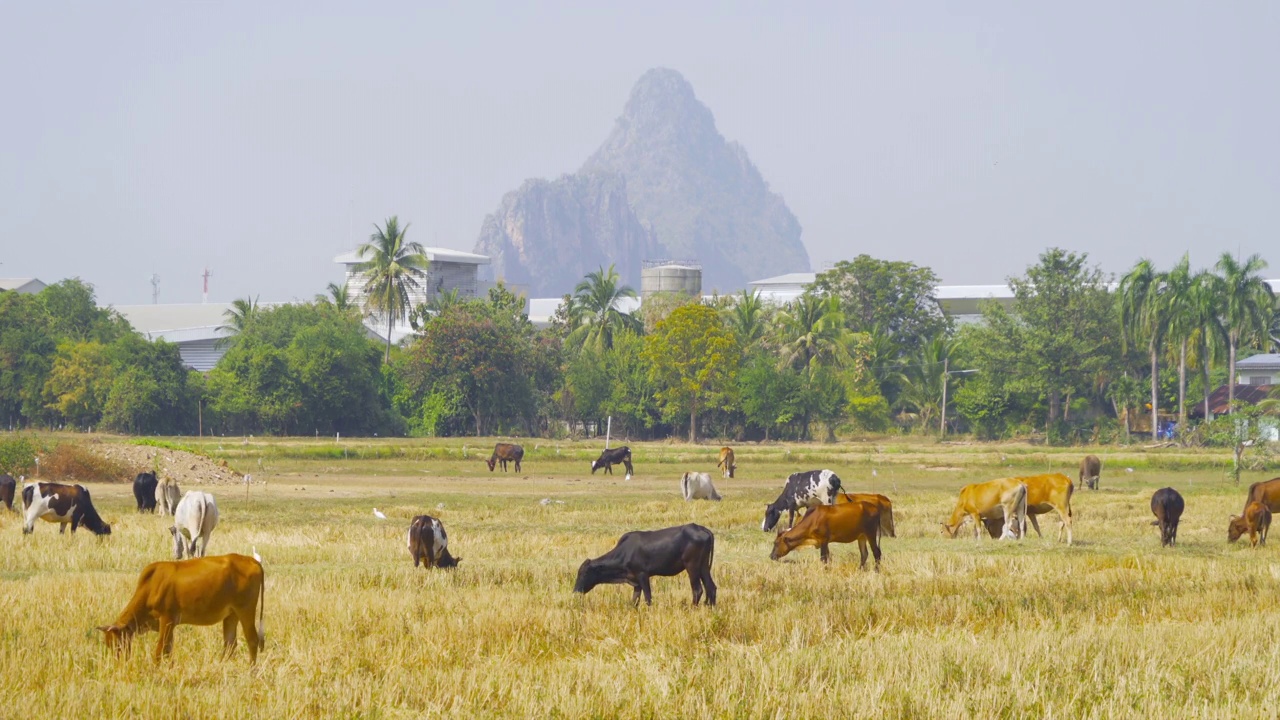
260,139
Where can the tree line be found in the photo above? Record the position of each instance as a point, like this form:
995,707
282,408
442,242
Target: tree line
1074,357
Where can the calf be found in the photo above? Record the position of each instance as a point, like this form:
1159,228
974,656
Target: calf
1256,521
803,489
727,464
193,521
825,524
55,502
504,453
697,486
144,491
169,496
200,591
1167,505
646,553
983,502
429,543
8,486
1090,471
609,458
880,501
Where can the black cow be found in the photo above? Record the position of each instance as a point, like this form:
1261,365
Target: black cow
144,491
8,486
803,489
643,554
63,504
1167,505
609,458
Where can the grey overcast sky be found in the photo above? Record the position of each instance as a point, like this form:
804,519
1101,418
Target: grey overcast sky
260,139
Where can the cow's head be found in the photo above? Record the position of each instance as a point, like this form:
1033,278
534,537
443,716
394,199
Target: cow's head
1239,526
446,560
491,463
950,532
781,545
595,464
772,514
118,638
586,578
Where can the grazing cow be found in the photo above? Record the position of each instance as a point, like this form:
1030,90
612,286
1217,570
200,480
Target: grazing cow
194,520
1266,492
697,486
1046,493
1256,521
144,491
169,496
825,524
880,501
1090,471
429,543
609,458
727,463
643,554
505,453
803,489
1004,499
1167,505
55,502
8,486
225,589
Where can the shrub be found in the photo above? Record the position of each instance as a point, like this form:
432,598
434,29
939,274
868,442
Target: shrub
18,455
72,463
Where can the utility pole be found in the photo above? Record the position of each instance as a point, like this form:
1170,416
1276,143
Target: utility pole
155,289
942,427
206,277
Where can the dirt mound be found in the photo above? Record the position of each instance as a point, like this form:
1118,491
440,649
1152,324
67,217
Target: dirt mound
184,467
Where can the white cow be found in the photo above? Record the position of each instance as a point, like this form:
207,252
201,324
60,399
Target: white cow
168,493
194,520
697,486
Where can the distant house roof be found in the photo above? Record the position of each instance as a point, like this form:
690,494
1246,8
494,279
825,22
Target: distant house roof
22,285
1267,361
434,254
184,322
1251,394
798,278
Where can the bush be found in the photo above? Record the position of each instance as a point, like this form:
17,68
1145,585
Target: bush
18,455
72,463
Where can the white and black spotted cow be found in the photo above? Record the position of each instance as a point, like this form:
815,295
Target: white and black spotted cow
803,489
63,504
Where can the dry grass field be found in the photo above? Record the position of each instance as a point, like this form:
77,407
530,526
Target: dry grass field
1114,626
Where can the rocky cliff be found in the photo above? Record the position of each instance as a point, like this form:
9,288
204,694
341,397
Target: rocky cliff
664,184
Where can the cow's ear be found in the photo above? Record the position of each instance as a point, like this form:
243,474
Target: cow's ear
107,628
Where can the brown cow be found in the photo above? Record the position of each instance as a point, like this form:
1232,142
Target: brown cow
202,591
8,486
1047,493
885,505
1256,521
825,524
1090,471
727,463
1005,498
1266,492
428,543
505,453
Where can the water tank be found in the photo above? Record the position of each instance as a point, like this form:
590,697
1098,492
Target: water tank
670,276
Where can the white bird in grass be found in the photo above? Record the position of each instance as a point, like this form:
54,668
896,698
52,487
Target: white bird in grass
256,556
378,514
873,472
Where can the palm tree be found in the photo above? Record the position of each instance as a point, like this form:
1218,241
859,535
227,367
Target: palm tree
921,395
746,319
237,318
1247,306
338,296
394,268
1179,309
1142,316
1208,337
593,309
813,334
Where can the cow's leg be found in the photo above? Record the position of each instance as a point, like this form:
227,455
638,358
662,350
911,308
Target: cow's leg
229,635
252,638
875,550
517,466
635,596
707,583
824,552
164,645
862,551
695,580
643,579
62,529
1066,525
1035,524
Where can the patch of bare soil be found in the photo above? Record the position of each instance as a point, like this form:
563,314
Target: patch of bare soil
184,467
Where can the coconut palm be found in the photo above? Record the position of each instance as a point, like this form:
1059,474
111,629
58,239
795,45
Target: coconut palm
1178,300
921,396
1247,306
746,318
1143,317
1208,337
337,295
237,318
594,313
393,268
812,334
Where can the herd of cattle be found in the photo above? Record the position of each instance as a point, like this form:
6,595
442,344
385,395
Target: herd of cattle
230,588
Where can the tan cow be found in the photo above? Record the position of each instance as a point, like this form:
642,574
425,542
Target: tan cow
880,501
225,589
1006,498
1256,521
727,463
846,522
1047,493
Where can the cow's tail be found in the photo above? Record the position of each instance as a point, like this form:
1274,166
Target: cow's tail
684,486
1021,517
262,614
886,522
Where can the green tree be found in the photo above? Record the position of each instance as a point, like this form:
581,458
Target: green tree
1247,307
1179,301
337,295
1144,318
812,334
771,396
594,313
74,314
393,268
899,298
694,360
633,401
237,319
79,382
921,398
746,318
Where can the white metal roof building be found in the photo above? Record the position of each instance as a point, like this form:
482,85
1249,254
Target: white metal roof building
447,270
193,327
22,285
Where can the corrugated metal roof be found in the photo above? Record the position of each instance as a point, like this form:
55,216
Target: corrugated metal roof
22,285
434,254
1267,360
